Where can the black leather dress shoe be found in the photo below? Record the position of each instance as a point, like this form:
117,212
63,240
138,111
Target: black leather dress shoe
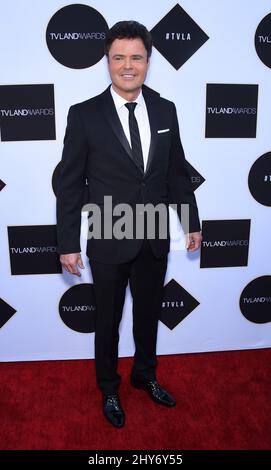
156,392
113,411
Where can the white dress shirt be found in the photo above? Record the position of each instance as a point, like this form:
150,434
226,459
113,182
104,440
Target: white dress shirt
142,118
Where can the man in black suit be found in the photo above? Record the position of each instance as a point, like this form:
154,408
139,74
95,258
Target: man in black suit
126,142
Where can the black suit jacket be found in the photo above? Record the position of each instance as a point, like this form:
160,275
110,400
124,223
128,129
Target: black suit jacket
96,148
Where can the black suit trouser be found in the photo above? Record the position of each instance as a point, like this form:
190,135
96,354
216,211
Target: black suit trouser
146,275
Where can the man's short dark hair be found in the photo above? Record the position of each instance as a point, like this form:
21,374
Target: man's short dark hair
129,30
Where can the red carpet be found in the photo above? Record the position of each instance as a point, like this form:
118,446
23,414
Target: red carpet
224,402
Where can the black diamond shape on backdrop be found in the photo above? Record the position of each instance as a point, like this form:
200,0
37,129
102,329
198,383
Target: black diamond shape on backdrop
6,312
196,178
177,304
2,185
177,36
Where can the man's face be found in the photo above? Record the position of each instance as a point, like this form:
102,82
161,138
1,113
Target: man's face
128,65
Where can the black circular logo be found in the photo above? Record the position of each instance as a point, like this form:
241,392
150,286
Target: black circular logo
259,179
55,180
263,40
255,300
75,36
77,308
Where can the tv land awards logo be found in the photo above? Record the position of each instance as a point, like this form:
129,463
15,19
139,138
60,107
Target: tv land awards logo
231,110
177,304
177,36
263,40
195,177
225,243
255,300
2,185
33,249
259,179
75,36
77,308
6,312
27,112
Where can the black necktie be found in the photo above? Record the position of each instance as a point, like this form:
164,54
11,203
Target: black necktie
135,136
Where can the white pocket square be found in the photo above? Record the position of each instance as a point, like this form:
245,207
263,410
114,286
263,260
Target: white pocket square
161,131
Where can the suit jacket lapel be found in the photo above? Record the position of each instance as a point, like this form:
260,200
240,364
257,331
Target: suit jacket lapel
152,104
112,117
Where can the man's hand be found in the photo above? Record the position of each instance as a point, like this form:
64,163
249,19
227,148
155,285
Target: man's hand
71,262
193,241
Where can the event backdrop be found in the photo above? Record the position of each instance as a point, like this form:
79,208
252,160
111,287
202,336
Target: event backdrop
213,59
